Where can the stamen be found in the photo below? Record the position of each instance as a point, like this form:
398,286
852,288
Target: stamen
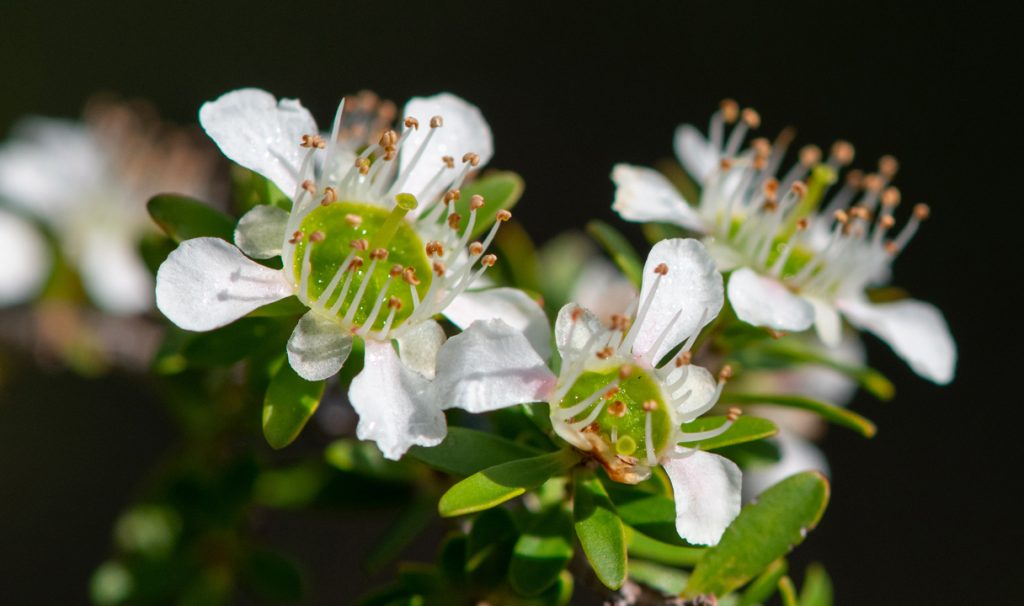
358,298
325,296
575,409
590,418
627,343
649,437
617,409
353,220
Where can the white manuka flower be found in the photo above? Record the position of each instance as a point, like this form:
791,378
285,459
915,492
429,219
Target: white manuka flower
610,398
792,264
89,183
369,259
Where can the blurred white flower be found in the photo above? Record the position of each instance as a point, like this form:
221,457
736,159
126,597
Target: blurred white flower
88,183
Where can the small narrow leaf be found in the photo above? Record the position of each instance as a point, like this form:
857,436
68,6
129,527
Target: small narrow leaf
500,189
184,218
542,552
787,591
619,249
830,412
364,458
763,532
667,580
495,485
744,429
467,451
643,546
288,405
489,549
765,585
817,589
652,514
601,533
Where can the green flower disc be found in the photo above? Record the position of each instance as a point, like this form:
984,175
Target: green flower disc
638,387
404,248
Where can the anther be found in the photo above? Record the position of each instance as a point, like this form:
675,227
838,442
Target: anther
873,183
476,248
891,247
725,374
355,264
762,148
684,359
576,312
890,197
617,409
471,159
661,269
379,254
309,186
733,413
605,353
887,166
476,202
448,161
771,186
802,224
810,155
395,271
650,405
434,248
842,216
296,237
451,196
360,244
859,212
436,122
625,370
411,122
364,166
799,188
730,110
395,303
922,212
453,220
855,178
886,221
317,236
843,152
725,164
502,215
439,269
751,117
330,196
388,139
353,220
612,392
489,260
313,141
593,427
390,153
409,275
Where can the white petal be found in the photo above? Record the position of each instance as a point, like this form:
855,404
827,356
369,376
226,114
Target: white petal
259,132
26,258
915,330
797,455
699,383
644,194
577,337
764,301
490,366
827,322
318,347
512,305
707,494
260,232
207,283
726,257
464,131
49,166
113,273
418,347
695,152
692,289
395,405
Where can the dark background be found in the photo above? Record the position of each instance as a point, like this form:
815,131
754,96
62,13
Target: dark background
920,514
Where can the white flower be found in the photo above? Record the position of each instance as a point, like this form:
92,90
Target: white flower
89,183
369,259
610,398
794,265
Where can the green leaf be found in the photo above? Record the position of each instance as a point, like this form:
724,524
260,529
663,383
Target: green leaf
272,576
652,514
817,589
495,485
542,552
786,352
409,524
292,487
765,585
787,592
675,173
601,533
517,256
364,458
489,548
643,546
667,580
753,454
619,249
290,306
250,189
184,218
762,533
500,189
829,412
467,451
227,345
744,429
288,405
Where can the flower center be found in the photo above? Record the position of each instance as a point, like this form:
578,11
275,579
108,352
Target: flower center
360,263
623,408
